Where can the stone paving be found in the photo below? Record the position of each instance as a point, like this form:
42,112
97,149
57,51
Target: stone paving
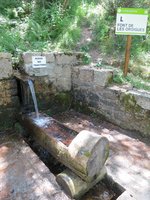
23,176
129,159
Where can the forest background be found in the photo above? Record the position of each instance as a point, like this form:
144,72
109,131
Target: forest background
76,25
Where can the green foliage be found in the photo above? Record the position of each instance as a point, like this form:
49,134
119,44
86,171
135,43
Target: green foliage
86,58
9,40
135,81
39,25
8,4
44,25
104,30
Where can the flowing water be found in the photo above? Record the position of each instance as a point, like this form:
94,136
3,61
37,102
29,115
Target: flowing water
31,86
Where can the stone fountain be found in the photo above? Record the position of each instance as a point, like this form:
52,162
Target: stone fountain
84,153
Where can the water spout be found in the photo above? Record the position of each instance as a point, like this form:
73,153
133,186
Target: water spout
31,86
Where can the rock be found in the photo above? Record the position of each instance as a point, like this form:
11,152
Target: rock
103,77
142,98
5,65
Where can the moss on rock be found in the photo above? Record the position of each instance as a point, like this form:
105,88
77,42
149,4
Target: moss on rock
63,100
130,103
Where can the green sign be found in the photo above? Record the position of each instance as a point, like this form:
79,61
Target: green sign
136,11
131,21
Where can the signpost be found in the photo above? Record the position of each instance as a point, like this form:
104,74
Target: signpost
131,21
38,61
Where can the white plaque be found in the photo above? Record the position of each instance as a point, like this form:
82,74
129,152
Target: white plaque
38,61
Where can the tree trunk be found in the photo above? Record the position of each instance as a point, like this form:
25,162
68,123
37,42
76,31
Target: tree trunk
65,4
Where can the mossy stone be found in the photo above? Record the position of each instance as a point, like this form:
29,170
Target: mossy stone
63,100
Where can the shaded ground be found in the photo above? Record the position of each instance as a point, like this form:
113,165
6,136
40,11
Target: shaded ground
129,159
22,174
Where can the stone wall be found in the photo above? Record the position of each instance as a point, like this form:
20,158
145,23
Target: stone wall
57,72
8,92
64,81
124,106
53,82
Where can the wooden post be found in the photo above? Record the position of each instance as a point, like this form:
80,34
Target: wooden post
127,55
65,4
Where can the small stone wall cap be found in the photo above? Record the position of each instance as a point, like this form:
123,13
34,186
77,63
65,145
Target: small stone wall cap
5,55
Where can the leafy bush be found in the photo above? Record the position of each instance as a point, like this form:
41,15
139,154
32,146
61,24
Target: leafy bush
8,4
46,24
135,81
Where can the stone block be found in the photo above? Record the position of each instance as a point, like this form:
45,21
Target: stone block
108,93
102,77
11,102
35,71
7,88
2,99
142,98
2,86
86,75
11,92
58,70
75,76
5,65
5,56
10,84
66,71
2,94
65,59
51,70
63,84
27,56
44,71
41,84
49,57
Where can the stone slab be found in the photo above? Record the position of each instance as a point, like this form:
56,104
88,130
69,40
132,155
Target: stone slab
129,164
5,65
103,77
142,98
22,175
65,58
63,84
39,71
86,75
27,56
